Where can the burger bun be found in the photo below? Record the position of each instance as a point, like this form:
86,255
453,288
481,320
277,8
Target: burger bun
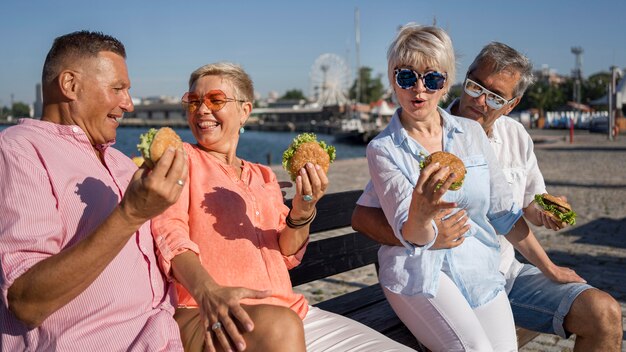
163,139
308,152
455,165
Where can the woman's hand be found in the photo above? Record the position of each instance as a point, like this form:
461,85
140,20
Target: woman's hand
311,184
223,316
310,187
426,203
216,303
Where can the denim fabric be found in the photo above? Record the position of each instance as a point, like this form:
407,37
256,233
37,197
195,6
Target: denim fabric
393,159
540,304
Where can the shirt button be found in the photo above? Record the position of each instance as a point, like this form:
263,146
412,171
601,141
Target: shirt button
75,129
257,213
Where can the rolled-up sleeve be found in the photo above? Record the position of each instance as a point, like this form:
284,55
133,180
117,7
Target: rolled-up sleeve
394,189
369,198
171,232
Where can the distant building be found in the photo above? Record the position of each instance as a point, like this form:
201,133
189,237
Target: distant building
158,111
38,105
548,75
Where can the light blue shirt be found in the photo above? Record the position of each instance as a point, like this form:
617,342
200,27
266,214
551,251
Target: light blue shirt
394,159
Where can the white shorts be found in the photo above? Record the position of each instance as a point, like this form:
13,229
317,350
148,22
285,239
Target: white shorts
330,332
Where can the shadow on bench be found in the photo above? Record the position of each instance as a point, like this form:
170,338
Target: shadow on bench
335,255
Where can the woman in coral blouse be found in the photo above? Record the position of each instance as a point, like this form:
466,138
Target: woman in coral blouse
229,241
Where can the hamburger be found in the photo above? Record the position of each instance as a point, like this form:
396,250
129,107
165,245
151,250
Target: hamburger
556,208
154,143
453,162
306,148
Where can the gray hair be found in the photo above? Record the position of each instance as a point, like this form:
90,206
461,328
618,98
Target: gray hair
501,57
77,45
241,81
416,45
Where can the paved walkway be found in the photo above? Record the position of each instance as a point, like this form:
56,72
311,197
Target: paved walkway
591,172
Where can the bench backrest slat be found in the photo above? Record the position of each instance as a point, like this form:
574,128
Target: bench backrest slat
334,255
338,254
334,210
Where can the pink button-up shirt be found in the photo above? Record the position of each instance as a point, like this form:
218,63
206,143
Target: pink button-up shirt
55,191
233,224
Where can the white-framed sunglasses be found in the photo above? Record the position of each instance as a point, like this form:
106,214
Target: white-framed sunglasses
493,100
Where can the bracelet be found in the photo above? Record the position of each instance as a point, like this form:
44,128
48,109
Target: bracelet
299,224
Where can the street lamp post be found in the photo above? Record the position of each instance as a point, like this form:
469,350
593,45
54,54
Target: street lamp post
616,73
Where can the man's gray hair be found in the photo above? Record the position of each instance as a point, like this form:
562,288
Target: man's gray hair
501,57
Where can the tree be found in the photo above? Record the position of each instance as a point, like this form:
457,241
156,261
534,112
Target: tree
595,86
454,92
4,112
371,88
20,110
544,96
293,94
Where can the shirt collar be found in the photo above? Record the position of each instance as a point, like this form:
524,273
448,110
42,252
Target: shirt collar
70,130
399,135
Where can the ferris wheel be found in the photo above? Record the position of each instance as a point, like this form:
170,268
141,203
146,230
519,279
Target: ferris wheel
330,80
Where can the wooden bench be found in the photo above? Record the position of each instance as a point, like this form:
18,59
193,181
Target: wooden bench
335,255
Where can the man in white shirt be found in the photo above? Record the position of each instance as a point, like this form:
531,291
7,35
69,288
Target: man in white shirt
545,298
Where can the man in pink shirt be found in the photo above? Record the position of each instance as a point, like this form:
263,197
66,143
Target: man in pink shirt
78,269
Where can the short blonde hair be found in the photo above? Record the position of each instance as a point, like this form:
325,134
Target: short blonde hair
417,45
241,81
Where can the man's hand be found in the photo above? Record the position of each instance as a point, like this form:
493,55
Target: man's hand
450,229
562,275
537,216
150,192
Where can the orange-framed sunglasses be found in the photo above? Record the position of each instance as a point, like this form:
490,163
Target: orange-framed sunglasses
214,100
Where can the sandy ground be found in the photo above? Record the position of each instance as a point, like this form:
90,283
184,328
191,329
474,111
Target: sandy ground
591,172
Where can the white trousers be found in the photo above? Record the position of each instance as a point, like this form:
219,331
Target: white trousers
447,322
330,332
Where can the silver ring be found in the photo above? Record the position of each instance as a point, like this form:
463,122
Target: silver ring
307,197
216,326
180,182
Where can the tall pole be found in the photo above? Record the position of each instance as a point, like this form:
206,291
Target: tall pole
612,106
357,34
577,73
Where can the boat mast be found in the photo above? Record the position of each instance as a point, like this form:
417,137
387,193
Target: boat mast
357,34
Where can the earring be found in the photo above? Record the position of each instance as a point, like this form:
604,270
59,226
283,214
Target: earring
242,130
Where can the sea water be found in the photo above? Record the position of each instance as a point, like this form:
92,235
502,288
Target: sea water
254,146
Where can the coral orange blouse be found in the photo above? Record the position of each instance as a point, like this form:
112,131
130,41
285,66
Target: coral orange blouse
233,226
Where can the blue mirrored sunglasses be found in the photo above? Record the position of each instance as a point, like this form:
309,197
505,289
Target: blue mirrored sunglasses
407,79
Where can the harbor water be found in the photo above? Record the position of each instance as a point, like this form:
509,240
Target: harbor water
254,146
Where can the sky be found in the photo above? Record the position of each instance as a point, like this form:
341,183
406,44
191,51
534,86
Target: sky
277,42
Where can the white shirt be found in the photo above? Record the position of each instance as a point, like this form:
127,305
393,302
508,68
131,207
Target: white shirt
514,150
